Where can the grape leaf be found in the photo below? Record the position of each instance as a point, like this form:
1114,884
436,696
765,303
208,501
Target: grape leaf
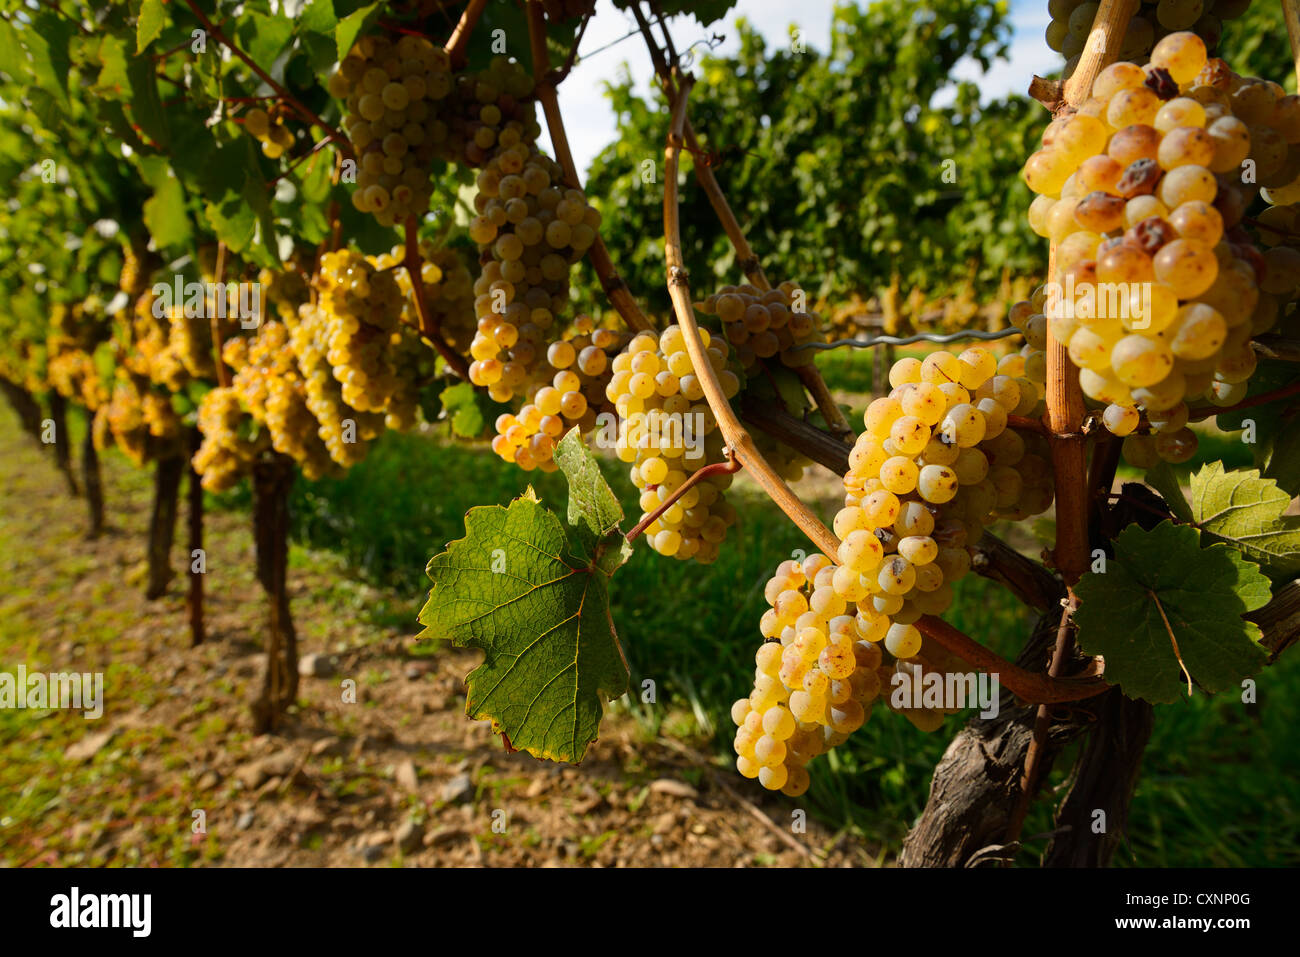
351,26
318,17
461,405
1203,592
1163,480
1244,510
13,60
517,587
149,24
164,213
594,511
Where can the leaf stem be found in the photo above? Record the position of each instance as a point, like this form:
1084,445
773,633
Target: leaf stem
730,466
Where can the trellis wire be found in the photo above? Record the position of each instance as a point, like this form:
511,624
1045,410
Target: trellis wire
907,340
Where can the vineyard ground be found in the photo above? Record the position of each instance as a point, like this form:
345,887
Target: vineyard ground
344,784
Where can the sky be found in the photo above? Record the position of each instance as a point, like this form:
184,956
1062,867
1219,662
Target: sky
589,121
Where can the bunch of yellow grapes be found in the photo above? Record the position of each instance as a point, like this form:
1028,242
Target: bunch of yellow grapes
667,432
1072,21
760,325
1156,295
935,464
575,396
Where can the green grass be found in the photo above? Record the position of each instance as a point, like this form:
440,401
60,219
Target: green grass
1216,787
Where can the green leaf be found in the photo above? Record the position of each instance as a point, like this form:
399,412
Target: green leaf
264,37
462,408
551,655
1245,511
351,26
593,508
146,106
1163,480
149,24
12,58
1203,593
1282,461
318,17
233,221
47,42
113,77
164,214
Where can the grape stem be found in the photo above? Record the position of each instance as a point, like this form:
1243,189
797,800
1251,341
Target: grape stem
679,291
615,288
214,323
1030,686
1065,413
728,467
748,260
428,323
458,42
1026,424
1291,12
307,113
1262,399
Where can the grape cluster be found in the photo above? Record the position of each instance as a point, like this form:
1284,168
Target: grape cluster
361,306
667,433
346,432
529,231
270,130
934,465
393,94
760,325
150,353
123,416
270,388
231,442
815,681
1072,21
574,396
1161,289
189,339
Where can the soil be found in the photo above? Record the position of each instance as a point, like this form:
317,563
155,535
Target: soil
171,774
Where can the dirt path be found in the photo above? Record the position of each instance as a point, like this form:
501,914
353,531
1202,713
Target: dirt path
170,775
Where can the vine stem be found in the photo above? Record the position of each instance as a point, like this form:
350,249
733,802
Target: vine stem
680,293
1065,412
1291,12
428,324
620,296
1031,686
749,263
728,467
458,42
330,132
214,323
